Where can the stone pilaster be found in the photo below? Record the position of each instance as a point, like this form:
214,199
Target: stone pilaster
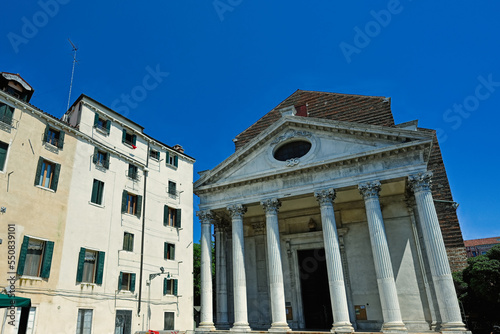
239,277
220,274
382,259
436,253
275,267
336,283
206,317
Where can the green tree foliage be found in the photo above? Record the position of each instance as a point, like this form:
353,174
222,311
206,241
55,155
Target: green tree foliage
197,272
478,288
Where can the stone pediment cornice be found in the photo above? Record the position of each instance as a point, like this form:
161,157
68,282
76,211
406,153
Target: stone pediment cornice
404,140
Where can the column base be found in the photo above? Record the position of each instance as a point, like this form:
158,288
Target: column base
279,327
205,327
453,327
342,327
394,327
241,327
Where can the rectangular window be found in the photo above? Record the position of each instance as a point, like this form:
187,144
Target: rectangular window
47,174
172,188
168,251
170,286
129,139
31,320
54,137
6,113
90,266
4,147
100,158
168,323
128,242
126,282
154,154
97,192
131,203
172,159
123,322
84,321
133,172
171,216
102,124
35,258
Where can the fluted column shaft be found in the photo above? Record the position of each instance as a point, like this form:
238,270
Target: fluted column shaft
206,317
382,258
275,267
336,283
220,272
239,277
436,253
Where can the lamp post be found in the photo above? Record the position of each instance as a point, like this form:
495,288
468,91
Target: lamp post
148,283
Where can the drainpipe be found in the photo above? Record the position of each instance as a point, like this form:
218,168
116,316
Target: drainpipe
142,232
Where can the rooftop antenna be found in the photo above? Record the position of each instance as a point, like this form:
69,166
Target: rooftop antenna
72,71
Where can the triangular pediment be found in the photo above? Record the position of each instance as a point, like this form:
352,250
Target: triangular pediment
332,143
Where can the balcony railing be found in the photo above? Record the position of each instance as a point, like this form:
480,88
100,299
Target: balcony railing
134,175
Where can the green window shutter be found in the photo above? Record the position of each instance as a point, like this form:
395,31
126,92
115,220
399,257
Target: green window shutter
124,135
175,287
108,125
165,282
60,142
168,158
106,162
132,282
95,191
176,160
22,255
158,155
139,206
38,171
120,281
45,134
178,218
81,261
124,201
134,140
172,252
94,157
100,268
55,178
3,154
96,119
165,215
47,259
165,250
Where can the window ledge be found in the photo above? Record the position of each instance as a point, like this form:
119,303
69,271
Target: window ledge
31,278
44,188
100,167
97,205
101,131
171,166
51,148
130,215
87,284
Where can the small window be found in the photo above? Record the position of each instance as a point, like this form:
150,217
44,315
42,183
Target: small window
126,282
168,251
100,158
128,242
172,159
171,216
129,139
54,137
35,258
4,147
172,188
154,154
168,321
131,203
133,172
31,320
102,124
6,113
84,321
97,192
90,266
47,174
170,286
292,150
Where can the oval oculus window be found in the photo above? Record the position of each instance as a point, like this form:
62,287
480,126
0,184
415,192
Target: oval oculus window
292,150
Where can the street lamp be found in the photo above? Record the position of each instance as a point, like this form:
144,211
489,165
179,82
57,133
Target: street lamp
148,283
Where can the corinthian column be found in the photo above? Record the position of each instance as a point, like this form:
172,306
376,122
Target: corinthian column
239,278
338,297
436,253
220,274
206,317
275,268
382,258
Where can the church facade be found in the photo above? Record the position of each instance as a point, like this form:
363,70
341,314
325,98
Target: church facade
325,219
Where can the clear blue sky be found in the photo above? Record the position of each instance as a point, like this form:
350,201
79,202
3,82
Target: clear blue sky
231,61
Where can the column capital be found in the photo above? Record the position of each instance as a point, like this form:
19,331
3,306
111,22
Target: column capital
421,181
325,196
259,228
237,210
271,205
369,189
206,216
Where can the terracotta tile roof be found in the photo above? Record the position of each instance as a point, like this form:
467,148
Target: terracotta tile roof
483,241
